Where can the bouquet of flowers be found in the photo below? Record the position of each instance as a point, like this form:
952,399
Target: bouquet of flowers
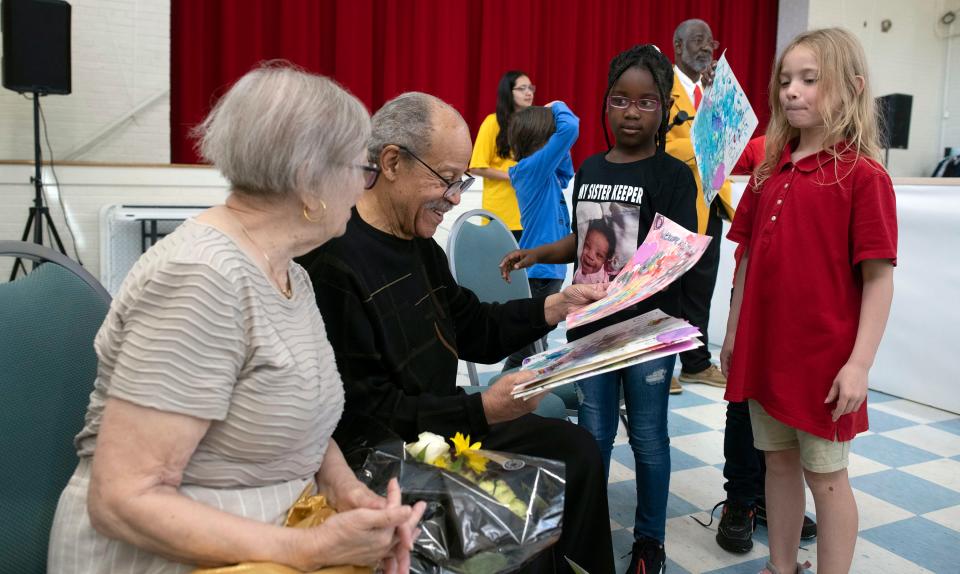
486,511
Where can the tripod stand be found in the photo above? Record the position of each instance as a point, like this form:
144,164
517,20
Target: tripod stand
39,212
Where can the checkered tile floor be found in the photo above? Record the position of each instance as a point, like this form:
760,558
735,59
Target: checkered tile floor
905,473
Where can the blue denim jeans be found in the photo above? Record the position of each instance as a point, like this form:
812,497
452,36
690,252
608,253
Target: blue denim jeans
646,390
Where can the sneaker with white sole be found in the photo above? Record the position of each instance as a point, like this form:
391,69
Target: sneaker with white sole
710,376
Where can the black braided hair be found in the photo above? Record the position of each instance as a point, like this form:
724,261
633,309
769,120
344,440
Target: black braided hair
649,57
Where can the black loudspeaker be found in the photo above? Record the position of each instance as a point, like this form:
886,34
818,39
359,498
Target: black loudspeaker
894,110
36,46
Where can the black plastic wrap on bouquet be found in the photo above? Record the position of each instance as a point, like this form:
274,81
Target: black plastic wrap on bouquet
466,529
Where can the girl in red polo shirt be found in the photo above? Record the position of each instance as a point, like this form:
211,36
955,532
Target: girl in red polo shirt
813,290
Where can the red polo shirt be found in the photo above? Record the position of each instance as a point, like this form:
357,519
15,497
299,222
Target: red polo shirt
807,229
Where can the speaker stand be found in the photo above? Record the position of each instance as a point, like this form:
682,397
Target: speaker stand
39,212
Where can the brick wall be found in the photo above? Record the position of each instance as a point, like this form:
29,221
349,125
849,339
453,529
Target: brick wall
121,63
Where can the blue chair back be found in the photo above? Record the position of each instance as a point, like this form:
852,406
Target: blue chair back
475,250
48,321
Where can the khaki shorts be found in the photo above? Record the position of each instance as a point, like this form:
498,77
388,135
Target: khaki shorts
816,454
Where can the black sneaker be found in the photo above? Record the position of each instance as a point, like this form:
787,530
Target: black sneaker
648,557
735,532
808,532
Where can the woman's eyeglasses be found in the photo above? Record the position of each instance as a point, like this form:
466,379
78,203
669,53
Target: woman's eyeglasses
531,88
643,104
453,187
371,172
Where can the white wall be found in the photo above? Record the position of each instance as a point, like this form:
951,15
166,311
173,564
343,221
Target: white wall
911,58
918,345
951,120
121,64
86,190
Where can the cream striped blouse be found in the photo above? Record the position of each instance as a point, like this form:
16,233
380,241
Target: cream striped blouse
199,330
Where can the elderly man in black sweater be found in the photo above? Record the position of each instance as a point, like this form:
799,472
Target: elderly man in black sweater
399,322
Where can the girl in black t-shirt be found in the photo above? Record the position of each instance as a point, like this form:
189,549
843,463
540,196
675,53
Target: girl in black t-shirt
625,187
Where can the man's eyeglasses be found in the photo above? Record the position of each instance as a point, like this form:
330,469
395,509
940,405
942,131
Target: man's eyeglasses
643,104
531,88
700,42
371,172
453,187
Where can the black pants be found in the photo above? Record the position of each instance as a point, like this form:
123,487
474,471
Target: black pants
538,288
696,292
743,467
586,518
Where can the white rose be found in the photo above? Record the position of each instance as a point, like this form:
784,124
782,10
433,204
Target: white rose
431,445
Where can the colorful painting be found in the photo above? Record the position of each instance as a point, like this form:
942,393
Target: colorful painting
666,253
722,126
644,338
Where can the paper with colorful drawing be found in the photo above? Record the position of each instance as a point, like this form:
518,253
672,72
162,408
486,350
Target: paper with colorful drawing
721,129
666,253
644,338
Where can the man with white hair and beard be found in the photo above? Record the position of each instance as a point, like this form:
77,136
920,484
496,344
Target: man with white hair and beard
398,322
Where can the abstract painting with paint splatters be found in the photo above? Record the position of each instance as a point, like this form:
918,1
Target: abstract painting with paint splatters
723,125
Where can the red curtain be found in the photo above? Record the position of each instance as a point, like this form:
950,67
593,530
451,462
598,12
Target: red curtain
454,49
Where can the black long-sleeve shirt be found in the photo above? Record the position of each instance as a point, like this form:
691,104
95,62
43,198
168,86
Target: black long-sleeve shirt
398,323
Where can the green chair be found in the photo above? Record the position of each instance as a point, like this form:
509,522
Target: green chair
48,321
474,252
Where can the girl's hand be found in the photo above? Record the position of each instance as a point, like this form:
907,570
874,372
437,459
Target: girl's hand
849,390
726,354
550,105
516,259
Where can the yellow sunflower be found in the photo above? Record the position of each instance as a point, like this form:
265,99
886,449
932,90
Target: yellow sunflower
462,447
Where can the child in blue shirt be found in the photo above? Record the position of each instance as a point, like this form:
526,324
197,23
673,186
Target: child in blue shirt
540,138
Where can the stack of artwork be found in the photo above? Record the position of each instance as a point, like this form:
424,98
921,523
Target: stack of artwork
644,338
665,254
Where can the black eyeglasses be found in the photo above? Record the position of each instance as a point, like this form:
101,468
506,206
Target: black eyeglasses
643,104
371,172
453,187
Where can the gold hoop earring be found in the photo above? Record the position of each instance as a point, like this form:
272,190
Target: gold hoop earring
306,214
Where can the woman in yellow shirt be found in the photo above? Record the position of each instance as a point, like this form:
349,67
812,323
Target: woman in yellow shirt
491,152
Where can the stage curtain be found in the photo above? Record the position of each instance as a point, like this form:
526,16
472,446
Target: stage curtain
454,49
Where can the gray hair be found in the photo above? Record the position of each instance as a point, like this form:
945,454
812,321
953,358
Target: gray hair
681,32
406,120
281,130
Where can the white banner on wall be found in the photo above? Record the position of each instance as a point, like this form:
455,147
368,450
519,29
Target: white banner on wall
916,358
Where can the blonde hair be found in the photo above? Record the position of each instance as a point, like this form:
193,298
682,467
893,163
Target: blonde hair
849,112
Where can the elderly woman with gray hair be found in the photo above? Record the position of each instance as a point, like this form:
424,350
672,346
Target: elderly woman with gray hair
217,390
